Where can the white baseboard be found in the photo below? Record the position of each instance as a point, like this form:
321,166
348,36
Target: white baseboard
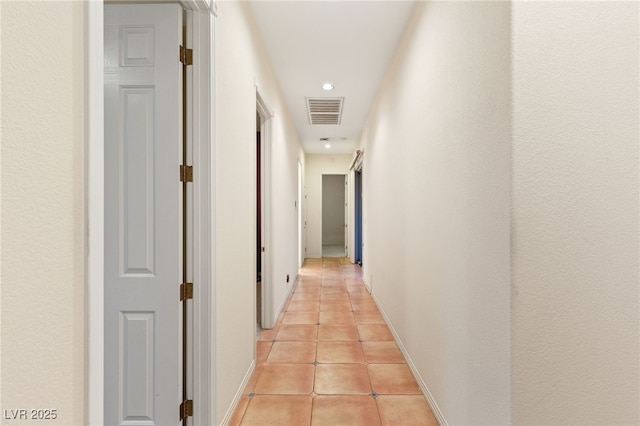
284,299
236,399
367,285
423,386
252,367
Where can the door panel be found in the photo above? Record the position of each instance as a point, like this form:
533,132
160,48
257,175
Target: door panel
143,214
137,183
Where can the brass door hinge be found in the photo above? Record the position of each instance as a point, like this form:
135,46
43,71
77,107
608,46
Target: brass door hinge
186,56
186,409
186,291
186,173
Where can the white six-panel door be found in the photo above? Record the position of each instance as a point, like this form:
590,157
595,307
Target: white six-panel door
143,214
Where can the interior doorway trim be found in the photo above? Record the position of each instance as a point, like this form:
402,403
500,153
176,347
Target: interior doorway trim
201,15
345,209
354,167
265,113
299,214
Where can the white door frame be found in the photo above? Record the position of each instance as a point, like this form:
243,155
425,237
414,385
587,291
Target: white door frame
201,17
265,113
299,206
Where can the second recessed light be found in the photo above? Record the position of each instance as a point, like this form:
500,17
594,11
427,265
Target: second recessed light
327,86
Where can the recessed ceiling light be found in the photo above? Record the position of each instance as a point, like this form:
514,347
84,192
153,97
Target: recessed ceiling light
327,86
327,146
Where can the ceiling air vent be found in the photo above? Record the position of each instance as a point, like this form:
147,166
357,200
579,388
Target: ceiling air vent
324,110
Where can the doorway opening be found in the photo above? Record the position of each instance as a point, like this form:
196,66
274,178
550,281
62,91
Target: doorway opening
358,216
334,215
263,297
299,206
259,220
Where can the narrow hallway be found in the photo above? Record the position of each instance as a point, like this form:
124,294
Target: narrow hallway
331,359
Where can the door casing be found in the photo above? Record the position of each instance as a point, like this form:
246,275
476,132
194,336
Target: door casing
265,113
357,222
346,211
200,121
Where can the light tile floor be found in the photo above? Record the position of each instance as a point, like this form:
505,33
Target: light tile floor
333,250
331,359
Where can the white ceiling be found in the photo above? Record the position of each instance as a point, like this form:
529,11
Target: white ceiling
347,43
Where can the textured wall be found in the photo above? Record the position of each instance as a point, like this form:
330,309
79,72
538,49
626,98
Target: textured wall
575,213
437,205
240,64
42,208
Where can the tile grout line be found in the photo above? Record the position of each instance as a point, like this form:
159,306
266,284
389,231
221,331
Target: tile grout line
328,272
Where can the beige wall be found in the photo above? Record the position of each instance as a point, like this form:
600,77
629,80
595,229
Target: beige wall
42,208
436,196
316,166
240,63
575,213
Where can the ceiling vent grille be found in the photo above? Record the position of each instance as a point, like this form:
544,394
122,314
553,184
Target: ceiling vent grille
325,110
